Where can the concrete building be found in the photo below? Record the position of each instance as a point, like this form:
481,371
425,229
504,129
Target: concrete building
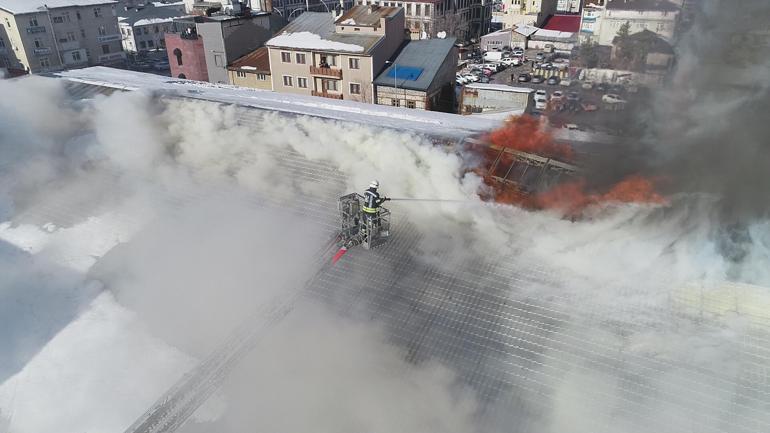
659,54
186,54
602,19
526,12
500,99
252,70
221,38
510,37
47,35
144,29
570,6
421,77
316,55
462,19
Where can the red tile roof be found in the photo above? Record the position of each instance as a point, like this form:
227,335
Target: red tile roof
563,23
257,61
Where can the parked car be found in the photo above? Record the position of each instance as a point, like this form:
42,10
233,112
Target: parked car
601,87
460,79
524,78
487,72
587,85
501,67
611,98
541,103
518,51
541,93
484,80
573,97
566,83
471,78
540,57
537,79
557,96
553,80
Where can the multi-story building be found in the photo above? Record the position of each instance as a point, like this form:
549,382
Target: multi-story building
462,19
252,70
316,55
46,35
602,20
421,77
525,12
219,38
570,6
144,29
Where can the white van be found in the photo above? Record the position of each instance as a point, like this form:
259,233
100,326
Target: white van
493,56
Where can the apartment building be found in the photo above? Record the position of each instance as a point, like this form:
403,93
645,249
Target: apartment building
570,6
144,28
316,55
48,35
602,19
526,12
462,19
252,70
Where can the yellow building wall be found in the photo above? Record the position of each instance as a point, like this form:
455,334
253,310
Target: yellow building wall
251,80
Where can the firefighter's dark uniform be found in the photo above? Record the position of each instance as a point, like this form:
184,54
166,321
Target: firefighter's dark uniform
372,202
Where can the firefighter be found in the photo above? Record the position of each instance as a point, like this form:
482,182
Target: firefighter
372,201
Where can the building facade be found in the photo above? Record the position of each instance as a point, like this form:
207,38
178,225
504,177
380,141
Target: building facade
252,70
186,54
316,55
58,34
145,29
462,19
602,20
526,12
421,77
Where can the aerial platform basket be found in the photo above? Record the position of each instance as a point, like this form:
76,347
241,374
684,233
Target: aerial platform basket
359,228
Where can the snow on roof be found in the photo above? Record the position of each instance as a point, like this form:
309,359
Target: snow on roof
428,122
525,29
312,41
543,33
161,4
147,21
499,87
31,6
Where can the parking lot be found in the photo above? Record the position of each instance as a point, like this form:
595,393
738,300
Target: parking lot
586,107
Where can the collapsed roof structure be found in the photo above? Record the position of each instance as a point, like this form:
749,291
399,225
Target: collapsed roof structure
528,354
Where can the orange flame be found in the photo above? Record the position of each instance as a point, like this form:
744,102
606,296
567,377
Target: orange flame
526,134
573,197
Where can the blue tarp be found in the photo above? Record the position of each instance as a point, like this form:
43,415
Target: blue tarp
405,72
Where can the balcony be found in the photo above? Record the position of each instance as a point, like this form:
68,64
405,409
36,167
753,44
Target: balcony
69,45
42,51
36,29
327,95
326,72
108,38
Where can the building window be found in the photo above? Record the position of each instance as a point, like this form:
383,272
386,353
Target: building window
58,20
33,22
105,49
151,43
97,12
102,30
330,85
128,31
2,43
241,74
7,23
302,82
142,44
38,43
355,89
395,102
418,9
157,29
77,14
287,81
300,58
410,104
71,36
123,32
218,61
353,63
285,57
76,56
45,63
178,55
182,76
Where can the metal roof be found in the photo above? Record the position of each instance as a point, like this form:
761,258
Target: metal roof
322,24
149,13
367,16
426,54
540,356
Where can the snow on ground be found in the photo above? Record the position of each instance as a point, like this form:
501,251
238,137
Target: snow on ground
84,381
